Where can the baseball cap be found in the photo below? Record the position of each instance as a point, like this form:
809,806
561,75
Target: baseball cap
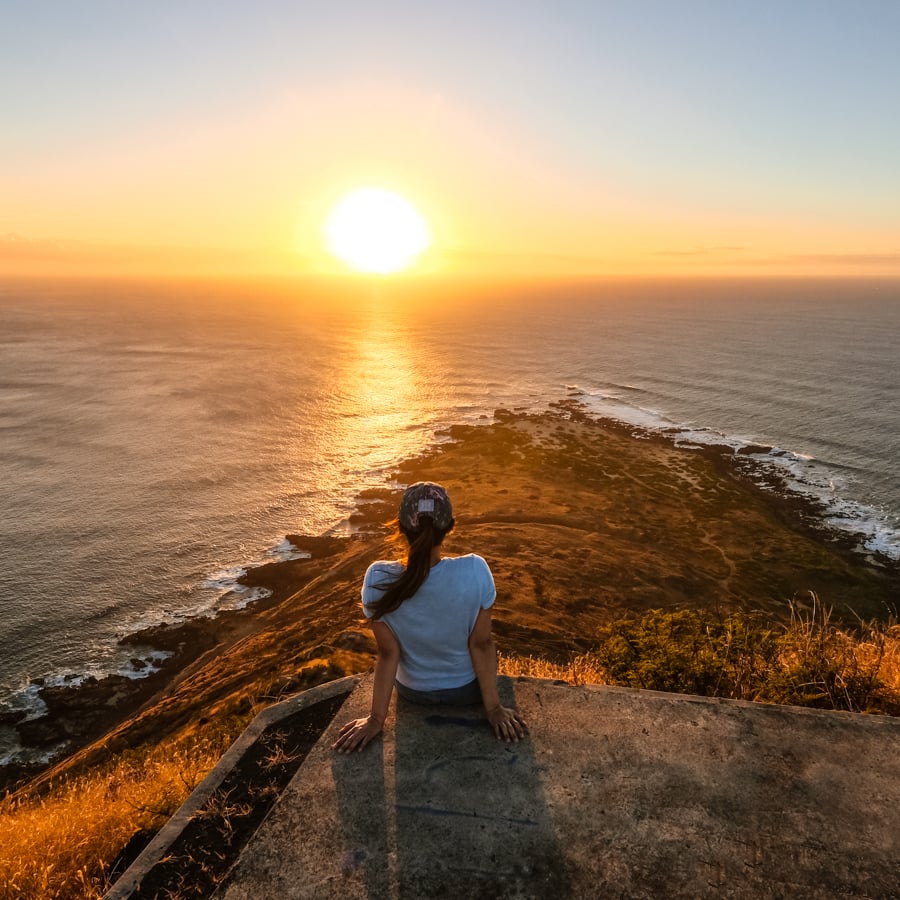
425,499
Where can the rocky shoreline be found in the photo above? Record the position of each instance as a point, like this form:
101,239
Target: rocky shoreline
582,521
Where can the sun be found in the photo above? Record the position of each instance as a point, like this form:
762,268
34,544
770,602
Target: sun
377,231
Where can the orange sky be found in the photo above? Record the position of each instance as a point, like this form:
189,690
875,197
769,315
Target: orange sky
589,166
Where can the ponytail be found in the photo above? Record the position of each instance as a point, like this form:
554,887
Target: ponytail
422,542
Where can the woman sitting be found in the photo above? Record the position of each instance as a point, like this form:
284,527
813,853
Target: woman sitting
432,624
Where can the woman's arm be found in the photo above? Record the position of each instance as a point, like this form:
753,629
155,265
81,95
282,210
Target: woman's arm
356,735
508,725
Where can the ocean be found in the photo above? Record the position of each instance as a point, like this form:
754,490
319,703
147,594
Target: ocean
157,439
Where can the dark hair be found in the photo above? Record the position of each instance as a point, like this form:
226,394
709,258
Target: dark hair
422,542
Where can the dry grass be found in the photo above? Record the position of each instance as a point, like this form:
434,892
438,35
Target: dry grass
62,844
583,669
852,669
884,646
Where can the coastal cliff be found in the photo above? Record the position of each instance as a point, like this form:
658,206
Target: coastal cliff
583,523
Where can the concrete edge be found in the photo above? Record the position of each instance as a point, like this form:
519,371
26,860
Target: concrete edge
871,720
159,847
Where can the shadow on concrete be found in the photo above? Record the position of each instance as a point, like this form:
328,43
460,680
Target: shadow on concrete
461,813
364,816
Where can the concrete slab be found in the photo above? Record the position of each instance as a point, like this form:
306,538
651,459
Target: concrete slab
617,793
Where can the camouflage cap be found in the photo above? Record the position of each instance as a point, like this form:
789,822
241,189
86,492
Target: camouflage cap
425,499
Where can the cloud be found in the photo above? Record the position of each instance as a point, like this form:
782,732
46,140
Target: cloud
845,259
16,247
26,255
700,251
519,256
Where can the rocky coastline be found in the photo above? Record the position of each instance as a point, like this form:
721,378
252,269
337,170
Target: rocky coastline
582,520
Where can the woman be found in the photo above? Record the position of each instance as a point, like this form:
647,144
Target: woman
432,623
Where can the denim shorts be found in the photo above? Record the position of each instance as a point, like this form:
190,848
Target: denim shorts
466,695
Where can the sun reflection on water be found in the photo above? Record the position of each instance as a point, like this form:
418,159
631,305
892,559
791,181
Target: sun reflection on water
381,391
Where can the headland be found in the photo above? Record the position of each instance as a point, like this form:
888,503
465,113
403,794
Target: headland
582,521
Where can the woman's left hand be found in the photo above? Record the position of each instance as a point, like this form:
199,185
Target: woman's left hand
356,735
508,725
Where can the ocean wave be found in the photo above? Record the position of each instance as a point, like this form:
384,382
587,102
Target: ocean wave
617,386
225,579
607,404
13,753
285,550
240,598
819,480
223,591
131,662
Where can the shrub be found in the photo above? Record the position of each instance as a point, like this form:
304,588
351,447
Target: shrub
664,651
809,661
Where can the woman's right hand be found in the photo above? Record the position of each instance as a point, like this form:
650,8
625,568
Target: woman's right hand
508,725
356,734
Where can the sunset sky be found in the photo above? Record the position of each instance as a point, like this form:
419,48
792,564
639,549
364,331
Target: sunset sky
557,139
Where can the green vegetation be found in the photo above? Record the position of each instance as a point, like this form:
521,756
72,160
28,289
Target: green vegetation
809,661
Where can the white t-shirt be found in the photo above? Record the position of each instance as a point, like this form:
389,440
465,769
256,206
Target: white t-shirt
433,626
